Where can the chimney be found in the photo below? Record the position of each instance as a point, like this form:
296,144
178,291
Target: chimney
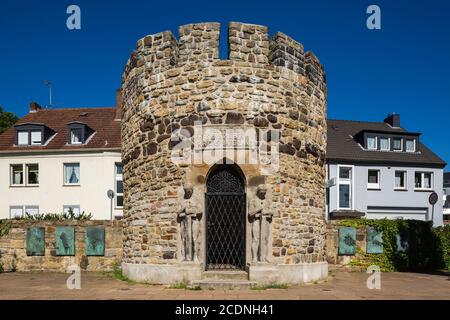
118,104
393,120
34,107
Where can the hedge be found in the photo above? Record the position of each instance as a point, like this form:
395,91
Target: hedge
429,248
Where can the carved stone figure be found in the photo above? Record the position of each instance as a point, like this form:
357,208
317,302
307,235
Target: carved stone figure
261,220
189,218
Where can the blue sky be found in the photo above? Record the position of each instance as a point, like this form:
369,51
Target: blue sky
402,68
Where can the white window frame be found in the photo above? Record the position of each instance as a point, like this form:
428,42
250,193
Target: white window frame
405,178
15,207
11,175
26,174
71,136
350,182
406,145
401,144
31,138
388,144
117,177
30,207
19,132
373,186
64,174
376,142
422,176
77,206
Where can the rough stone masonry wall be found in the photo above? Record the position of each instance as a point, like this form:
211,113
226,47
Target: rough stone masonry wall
265,83
13,256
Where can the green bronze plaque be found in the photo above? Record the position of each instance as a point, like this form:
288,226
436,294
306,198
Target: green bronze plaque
35,241
65,241
95,241
374,241
347,241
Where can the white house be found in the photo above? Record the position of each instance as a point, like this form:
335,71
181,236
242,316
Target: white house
56,159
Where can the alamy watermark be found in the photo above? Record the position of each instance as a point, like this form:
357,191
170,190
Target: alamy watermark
74,280
374,280
374,20
73,21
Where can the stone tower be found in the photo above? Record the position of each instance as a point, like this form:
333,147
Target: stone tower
223,159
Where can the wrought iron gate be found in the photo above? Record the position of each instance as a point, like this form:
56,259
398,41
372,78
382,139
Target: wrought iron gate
225,219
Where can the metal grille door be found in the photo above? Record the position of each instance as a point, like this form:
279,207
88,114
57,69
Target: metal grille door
225,220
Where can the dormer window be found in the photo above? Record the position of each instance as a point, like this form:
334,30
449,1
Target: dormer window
384,144
410,145
78,133
32,134
372,143
397,144
22,138
36,137
76,136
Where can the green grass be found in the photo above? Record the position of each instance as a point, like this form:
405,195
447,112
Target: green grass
118,275
270,286
184,285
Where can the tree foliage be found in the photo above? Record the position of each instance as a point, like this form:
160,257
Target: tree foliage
7,119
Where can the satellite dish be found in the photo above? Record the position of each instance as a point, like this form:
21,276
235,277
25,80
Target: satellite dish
110,194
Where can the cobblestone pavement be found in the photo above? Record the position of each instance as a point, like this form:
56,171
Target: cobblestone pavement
341,285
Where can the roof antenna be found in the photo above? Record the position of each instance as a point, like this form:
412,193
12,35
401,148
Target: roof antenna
48,83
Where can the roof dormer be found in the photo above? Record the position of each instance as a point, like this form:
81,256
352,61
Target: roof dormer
78,133
32,134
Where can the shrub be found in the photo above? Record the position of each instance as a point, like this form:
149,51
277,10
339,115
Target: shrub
70,215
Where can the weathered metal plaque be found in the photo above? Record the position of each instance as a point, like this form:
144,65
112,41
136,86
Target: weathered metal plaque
65,241
402,241
36,241
95,241
347,241
374,241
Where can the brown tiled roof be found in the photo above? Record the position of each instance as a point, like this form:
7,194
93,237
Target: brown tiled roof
101,120
341,145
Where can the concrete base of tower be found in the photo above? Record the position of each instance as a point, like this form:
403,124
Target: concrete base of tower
163,273
265,273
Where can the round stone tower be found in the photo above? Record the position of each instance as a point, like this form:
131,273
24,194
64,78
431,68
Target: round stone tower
223,159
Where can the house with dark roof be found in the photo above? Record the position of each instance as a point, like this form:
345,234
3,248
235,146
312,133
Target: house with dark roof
380,170
56,160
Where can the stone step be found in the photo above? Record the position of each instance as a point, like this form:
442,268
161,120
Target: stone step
223,284
225,275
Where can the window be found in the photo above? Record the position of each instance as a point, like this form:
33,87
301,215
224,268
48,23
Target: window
373,179
371,142
15,212
21,178
75,209
410,145
384,144
31,210
398,142
32,174
345,188
76,136
400,180
119,185
36,137
22,137
71,173
423,180
17,175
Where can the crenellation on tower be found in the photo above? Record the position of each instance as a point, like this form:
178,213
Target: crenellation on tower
314,70
199,42
248,43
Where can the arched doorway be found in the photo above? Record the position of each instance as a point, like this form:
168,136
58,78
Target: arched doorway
225,205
